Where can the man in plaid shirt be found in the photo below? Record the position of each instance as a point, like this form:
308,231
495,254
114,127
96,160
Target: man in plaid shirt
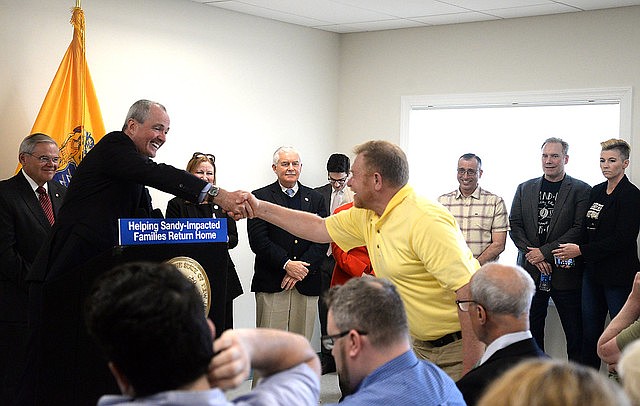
481,215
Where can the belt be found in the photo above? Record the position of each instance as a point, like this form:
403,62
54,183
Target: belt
446,339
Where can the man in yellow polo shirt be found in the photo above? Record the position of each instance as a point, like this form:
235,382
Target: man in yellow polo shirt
412,241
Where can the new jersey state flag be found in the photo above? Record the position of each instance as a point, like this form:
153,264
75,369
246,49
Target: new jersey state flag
70,113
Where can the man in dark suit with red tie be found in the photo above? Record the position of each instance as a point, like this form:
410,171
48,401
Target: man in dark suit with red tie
29,203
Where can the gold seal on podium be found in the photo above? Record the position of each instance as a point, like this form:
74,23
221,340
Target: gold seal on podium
193,271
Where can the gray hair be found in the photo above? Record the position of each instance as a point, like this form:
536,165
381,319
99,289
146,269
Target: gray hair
370,305
139,111
29,143
556,140
276,155
501,296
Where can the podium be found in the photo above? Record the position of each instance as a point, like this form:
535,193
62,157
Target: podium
74,371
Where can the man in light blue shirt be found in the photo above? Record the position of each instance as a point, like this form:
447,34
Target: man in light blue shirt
369,339
150,322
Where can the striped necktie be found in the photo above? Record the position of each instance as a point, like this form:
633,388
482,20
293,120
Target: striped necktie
45,202
290,192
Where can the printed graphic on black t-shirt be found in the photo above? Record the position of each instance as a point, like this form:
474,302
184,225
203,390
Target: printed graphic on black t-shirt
593,214
546,203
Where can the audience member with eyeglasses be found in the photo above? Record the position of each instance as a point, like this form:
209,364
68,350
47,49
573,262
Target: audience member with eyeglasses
29,203
109,184
336,193
412,241
481,215
369,337
498,309
204,167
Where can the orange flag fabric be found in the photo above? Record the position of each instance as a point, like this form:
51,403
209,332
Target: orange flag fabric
70,113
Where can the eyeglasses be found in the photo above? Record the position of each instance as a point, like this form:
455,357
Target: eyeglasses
463,305
331,180
286,164
210,157
469,172
329,341
45,159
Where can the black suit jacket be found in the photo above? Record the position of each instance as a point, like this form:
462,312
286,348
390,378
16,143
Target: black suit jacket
177,208
109,184
63,365
23,229
473,384
325,191
565,226
611,250
273,246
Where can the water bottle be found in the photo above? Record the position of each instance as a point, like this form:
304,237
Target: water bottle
545,282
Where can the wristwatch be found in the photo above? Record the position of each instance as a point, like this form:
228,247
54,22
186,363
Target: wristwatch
213,191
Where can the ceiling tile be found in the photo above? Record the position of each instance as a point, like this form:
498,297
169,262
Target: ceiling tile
404,8
320,10
456,18
532,11
373,26
599,4
270,14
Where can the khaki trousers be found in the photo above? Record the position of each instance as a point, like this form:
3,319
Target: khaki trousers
448,357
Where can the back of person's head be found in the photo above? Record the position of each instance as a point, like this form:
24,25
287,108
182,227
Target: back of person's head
149,321
546,382
629,369
28,145
503,289
338,163
619,145
372,306
386,158
139,111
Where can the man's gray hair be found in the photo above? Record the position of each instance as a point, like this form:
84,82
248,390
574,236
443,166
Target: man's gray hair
500,296
139,111
556,140
276,155
28,145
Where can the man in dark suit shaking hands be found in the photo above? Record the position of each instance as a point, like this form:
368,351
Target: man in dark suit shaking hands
499,311
29,203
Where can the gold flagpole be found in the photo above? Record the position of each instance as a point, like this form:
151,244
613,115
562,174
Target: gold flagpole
78,3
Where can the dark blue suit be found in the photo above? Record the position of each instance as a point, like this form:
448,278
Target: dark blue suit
23,229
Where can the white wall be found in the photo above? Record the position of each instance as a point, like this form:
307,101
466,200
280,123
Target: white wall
234,85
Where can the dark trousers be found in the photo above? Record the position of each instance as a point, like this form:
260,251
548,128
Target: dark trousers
326,271
568,304
598,300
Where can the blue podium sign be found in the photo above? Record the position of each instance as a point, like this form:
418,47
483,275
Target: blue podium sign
171,231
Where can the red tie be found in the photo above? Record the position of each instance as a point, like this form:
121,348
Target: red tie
45,202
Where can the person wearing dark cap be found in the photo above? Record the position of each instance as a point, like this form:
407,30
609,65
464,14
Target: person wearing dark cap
336,193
